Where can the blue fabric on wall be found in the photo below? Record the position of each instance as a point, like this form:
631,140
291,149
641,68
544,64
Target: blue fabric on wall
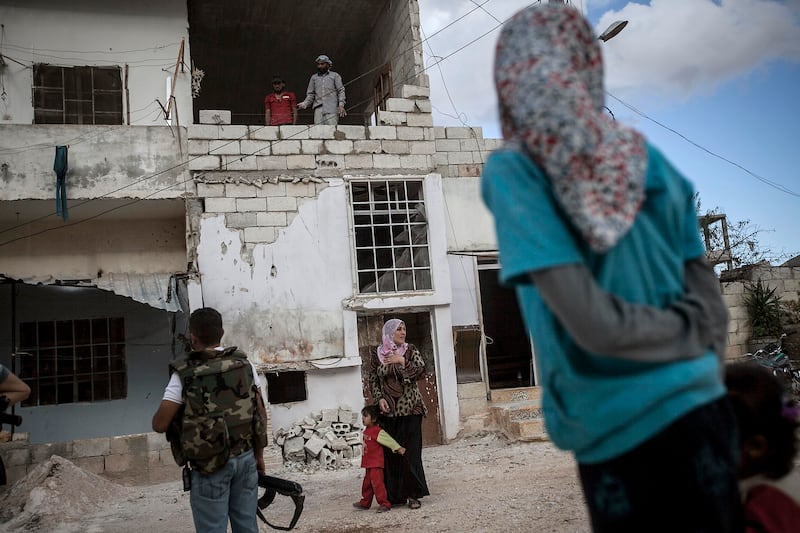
60,166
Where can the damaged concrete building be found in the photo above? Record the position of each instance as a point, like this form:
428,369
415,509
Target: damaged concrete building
177,196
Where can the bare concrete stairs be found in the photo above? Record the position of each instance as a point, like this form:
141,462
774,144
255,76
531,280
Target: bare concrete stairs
517,413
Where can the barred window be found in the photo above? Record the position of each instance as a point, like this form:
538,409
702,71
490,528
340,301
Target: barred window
69,361
77,95
391,236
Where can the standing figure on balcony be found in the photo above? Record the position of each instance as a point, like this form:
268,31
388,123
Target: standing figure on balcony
280,106
598,233
325,94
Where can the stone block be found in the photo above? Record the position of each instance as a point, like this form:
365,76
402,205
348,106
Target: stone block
419,119
240,190
286,147
215,116
300,162
440,158
271,219
157,441
260,234
391,118
367,147
358,451
422,147
16,456
205,162
279,440
315,444
400,104
351,132
382,132
129,444
427,134
395,147
95,465
423,106
339,147
270,162
255,147
323,424
408,133
220,205
240,220
359,161
307,434
439,132
386,161
460,158
293,132
281,203
469,170
264,133
126,462
312,146
448,145
415,91
206,190
42,452
342,428
240,162
90,447
327,459
457,132
272,189
198,147
416,161
203,131
347,453
244,205
330,161
339,444
321,131
469,145
233,132
330,415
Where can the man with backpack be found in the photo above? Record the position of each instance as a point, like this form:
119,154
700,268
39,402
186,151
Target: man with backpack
215,420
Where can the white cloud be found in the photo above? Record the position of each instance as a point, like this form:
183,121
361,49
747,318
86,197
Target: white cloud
671,48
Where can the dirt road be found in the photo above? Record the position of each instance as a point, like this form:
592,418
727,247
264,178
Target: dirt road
477,484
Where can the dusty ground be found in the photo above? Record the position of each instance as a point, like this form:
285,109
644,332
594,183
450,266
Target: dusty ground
478,484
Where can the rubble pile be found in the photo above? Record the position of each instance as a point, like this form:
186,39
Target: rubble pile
330,438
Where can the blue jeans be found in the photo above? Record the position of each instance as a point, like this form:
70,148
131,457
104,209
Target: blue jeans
231,492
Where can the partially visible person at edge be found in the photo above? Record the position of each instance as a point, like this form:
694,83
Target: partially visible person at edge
598,234
225,453
394,370
325,94
768,421
12,391
372,460
280,106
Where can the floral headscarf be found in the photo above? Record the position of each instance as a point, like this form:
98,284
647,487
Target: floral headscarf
549,78
388,346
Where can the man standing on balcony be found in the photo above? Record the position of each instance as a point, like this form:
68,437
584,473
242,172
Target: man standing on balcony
280,106
325,94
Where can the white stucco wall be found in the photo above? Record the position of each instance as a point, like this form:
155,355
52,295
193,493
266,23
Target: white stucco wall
145,34
470,225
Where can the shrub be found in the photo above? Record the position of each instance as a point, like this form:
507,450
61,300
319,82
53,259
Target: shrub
764,309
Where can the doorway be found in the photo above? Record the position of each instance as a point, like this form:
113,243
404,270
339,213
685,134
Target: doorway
418,326
509,358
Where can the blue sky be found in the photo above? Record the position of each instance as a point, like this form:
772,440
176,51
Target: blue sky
723,74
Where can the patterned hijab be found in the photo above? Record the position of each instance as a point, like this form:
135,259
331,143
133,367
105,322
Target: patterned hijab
387,345
549,78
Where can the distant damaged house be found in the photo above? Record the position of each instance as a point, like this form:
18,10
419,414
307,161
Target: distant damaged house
306,237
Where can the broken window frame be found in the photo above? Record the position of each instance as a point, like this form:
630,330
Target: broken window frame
60,95
383,89
391,252
74,361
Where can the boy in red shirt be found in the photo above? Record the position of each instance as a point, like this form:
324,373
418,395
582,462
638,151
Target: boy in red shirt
372,460
280,106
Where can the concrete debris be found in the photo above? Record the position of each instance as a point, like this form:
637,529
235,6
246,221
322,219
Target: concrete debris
330,438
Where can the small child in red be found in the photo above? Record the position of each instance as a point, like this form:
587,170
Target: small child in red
372,460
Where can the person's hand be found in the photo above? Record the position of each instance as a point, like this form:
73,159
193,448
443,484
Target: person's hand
401,451
260,466
394,359
301,105
342,112
384,405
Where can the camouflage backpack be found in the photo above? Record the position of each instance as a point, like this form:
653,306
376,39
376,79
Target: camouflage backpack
220,417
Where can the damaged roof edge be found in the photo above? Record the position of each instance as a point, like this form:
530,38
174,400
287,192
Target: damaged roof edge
156,290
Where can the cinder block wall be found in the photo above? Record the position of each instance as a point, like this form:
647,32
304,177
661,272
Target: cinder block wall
786,282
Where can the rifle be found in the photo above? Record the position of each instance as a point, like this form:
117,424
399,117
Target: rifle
273,485
6,418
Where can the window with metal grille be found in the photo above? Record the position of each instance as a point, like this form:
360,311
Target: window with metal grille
76,95
391,236
69,361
